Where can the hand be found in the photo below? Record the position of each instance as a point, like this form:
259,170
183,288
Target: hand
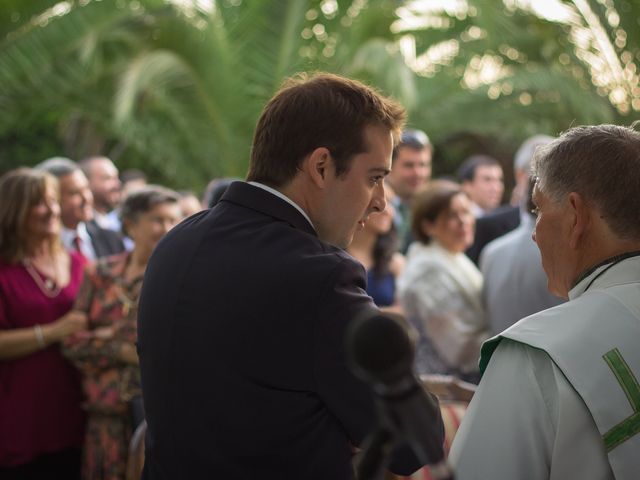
65,326
129,354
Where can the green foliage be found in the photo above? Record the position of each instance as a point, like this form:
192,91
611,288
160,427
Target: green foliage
176,90
543,87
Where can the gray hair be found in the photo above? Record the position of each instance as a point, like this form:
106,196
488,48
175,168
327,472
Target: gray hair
602,164
524,155
58,166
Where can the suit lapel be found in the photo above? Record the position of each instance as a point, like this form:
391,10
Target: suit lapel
95,238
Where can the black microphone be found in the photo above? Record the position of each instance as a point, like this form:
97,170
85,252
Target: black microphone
381,352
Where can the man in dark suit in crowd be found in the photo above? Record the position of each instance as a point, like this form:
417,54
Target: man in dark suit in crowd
80,232
497,223
244,307
481,178
106,188
411,171
507,218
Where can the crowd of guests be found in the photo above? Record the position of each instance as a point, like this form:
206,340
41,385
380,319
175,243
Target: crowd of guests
464,266
75,239
73,252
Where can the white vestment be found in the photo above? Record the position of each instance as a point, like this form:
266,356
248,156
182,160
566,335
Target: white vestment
552,403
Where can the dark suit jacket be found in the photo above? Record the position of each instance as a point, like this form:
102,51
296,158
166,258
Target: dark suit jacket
492,226
241,324
105,242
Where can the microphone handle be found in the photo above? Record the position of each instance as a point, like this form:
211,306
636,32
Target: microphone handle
374,455
416,416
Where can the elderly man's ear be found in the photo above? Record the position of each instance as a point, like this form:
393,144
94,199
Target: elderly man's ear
580,219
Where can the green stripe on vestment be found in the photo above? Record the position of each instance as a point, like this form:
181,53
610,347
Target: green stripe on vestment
630,426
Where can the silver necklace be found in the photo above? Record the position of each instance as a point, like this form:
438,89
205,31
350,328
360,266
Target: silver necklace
47,286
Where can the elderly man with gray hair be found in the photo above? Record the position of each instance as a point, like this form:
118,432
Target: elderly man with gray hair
560,396
80,232
514,284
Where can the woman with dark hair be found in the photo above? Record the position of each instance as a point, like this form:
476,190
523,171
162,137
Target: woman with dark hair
106,352
376,248
440,287
41,422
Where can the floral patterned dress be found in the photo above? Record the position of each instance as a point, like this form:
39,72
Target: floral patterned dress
108,383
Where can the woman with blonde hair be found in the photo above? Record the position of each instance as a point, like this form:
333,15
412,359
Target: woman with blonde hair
41,422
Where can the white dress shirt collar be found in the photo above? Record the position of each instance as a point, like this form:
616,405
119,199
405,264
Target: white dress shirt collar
283,197
67,235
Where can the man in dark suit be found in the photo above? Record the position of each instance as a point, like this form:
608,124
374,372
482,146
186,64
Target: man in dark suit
481,178
507,218
244,307
411,160
493,225
105,242
80,232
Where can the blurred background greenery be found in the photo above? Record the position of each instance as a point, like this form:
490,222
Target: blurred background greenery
175,87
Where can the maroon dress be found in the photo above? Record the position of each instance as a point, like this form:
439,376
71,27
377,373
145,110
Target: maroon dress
40,394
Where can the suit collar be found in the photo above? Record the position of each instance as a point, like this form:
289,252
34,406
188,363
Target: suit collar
283,197
92,227
255,198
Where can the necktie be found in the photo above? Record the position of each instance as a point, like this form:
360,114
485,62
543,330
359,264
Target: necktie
77,245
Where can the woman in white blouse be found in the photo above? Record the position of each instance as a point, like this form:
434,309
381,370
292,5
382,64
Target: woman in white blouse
439,288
